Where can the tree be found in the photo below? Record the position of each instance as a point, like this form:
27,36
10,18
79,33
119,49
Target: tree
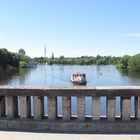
62,57
123,63
134,63
22,52
8,58
4,57
23,58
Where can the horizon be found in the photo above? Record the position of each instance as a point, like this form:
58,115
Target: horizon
71,28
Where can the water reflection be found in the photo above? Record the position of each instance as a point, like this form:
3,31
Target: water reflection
13,76
132,77
23,73
7,74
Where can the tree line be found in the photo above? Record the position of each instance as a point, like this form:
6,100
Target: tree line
131,63
84,60
20,59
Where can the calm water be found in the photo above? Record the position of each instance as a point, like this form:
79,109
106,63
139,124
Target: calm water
59,75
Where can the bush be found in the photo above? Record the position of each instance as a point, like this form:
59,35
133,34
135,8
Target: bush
23,64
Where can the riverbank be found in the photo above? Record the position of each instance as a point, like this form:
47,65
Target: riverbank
5,135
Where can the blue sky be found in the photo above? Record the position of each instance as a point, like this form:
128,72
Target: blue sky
71,27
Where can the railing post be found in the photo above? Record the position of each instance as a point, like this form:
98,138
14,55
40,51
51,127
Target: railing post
38,107
81,107
111,104
2,106
96,108
52,107
11,106
23,107
125,108
66,101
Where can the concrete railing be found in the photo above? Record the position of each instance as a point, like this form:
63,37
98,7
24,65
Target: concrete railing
15,108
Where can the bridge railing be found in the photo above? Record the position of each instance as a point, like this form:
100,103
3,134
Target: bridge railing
16,102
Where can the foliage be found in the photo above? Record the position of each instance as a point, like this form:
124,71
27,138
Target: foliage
131,63
8,59
23,64
4,57
12,59
123,63
22,52
83,60
134,63
40,59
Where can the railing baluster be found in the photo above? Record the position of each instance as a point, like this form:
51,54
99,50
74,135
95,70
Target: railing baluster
23,107
137,107
38,107
66,107
15,105
2,105
11,106
111,104
96,108
81,107
28,106
125,108
52,107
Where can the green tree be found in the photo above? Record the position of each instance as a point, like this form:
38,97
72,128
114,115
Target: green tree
8,58
22,52
123,63
4,57
134,63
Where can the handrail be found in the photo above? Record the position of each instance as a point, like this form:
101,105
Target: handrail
124,91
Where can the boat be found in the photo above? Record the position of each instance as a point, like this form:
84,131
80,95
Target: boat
78,78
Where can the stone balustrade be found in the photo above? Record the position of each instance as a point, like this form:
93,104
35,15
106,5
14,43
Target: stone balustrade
15,108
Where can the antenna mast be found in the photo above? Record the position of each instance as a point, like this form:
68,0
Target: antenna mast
45,51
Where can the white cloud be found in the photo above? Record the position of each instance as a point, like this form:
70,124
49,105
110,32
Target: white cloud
132,35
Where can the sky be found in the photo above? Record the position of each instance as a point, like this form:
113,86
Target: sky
71,27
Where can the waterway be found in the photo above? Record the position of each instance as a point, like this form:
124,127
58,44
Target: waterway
59,75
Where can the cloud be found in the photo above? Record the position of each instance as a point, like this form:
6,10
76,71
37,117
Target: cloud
132,35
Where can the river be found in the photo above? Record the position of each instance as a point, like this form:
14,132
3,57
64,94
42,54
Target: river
59,75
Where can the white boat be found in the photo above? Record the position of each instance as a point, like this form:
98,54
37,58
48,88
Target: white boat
78,78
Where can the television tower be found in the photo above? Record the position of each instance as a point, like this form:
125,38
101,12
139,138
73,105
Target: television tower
45,51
